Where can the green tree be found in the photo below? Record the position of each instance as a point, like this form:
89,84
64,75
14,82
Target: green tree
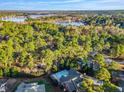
99,58
87,85
114,66
103,74
15,71
6,72
54,68
30,61
1,73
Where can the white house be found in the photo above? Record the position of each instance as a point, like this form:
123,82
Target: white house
3,85
30,87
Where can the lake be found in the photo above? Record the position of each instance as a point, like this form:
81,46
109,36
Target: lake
14,19
71,23
19,19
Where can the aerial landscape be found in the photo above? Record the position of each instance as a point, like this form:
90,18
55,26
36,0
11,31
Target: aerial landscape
54,46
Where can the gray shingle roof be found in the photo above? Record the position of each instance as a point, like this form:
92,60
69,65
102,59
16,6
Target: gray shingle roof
71,74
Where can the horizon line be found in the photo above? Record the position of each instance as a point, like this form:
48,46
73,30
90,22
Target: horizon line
66,10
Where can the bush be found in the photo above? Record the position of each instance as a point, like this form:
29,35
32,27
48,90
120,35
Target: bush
103,74
15,71
1,73
6,72
54,68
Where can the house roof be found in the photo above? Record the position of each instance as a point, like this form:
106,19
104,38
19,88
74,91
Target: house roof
70,79
74,84
2,81
70,86
65,75
71,75
31,87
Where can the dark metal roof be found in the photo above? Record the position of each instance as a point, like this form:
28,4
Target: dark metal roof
70,86
70,81
2,81
72,74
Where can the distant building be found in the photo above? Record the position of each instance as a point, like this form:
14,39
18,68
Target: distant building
70,80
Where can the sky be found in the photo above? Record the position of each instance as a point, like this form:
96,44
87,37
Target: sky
61,4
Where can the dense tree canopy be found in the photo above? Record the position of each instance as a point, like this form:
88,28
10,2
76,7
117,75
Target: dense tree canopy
40,46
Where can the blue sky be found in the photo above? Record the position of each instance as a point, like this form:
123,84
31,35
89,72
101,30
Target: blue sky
61,4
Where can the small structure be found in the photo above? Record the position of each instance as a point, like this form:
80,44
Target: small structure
108,61
70,80
92,64
31,87
3,85
97,82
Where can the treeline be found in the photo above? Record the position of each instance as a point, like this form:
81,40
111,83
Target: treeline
9,13
94,20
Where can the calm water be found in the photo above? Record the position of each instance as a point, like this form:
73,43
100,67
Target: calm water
14,19
22,18
71,23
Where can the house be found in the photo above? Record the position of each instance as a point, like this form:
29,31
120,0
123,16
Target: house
92,64
70,80
30,87
3,85
81,63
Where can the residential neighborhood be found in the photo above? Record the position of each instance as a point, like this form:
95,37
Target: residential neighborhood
61,46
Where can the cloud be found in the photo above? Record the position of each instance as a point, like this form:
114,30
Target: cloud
42,2
62,4
105,1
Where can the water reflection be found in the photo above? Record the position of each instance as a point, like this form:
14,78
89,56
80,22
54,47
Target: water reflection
71,23
14,19
23,18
